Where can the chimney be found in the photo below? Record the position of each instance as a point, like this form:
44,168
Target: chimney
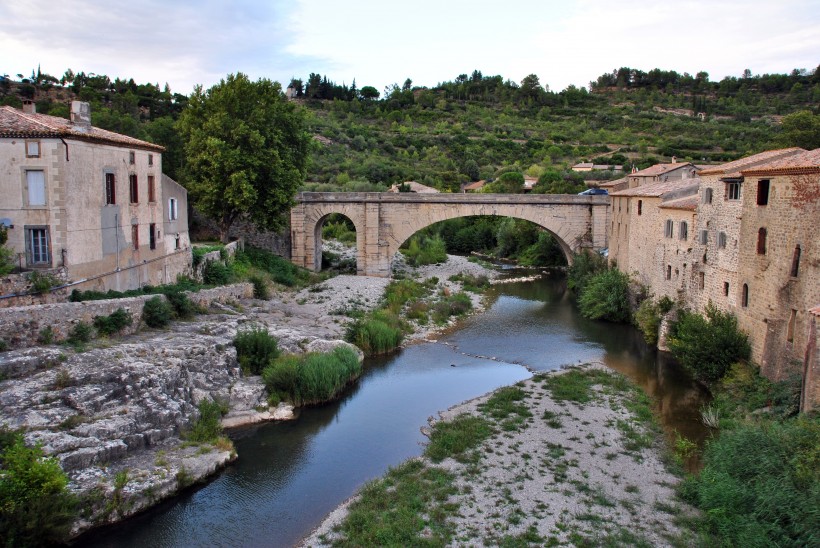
674,160
29,107
80,114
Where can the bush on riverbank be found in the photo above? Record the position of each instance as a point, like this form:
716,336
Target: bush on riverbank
708,346
606,297
379,332
760,483
255,349
648,317
36,507
422,250
583,268
311,379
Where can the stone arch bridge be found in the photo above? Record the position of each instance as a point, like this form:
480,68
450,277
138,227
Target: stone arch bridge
384,220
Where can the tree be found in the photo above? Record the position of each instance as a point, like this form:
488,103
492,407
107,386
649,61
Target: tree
801,129
247,151
369,92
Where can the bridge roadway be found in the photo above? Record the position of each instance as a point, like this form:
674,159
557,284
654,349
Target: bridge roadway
385,220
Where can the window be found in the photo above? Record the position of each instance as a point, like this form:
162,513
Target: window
152,196
733,190
761,241
176,242
135,236
792,321
150,159
152,235
763,192
640,206
725,289
132,157
172,209
796,262
683,230
110,189
669,272
721,240
707,195
669,228
37,244
32,149
704,238
702,280
36,187
134,187
744,296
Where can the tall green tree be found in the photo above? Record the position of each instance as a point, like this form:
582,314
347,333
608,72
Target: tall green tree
247,151
801,129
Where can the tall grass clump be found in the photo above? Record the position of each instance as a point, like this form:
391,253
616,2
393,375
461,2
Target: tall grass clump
708,346
456,304
207,428
312,378
36,507
456,438
400,292
378,333
280,270
255,349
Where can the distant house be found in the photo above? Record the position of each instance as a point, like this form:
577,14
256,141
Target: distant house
616,185
414,187
474,187
662,173
92,201
529,183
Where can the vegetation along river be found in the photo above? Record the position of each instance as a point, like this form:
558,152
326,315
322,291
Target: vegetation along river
290,475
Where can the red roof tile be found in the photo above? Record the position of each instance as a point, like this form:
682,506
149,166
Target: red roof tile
737,165
687,202
805,162
659,169
16,123
656,189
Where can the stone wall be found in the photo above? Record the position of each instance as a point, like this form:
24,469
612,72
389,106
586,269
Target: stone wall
277,242
15,288
20,327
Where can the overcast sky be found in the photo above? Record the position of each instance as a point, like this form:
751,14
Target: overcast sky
380,42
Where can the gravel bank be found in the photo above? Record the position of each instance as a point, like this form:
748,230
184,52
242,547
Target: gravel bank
571,473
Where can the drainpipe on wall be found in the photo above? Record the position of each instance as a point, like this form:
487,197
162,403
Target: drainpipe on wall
117,236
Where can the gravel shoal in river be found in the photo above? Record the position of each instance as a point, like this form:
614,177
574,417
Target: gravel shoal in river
570,474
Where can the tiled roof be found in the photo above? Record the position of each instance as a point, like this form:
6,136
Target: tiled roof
616,182
659,169
475,186
19,124
805,162
583,165
415,187
687,202
749,161
656,189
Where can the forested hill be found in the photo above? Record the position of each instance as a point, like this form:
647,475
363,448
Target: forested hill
476,127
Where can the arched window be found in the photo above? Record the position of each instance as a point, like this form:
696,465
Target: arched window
761,241
744,296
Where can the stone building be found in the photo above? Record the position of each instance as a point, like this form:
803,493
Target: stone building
779,259
90,200
718,230
662,173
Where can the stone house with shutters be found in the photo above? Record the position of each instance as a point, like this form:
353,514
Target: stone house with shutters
91,201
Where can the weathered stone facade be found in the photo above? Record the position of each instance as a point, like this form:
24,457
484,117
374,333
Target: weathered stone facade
384,221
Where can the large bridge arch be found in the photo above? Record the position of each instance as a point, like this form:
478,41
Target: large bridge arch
384,221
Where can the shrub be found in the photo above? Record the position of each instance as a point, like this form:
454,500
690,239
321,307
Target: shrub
400,292
183,307
3,345
216,273
260,287
46,335
157,312
708,346
452,305
207,429
605,296
42,283
422,250
255,348
281,270
113,323
37,508
80,334
584,266
758,484
312,378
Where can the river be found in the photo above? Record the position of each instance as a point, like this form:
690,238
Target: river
290,475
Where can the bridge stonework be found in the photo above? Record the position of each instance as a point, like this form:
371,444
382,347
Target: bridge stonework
384,220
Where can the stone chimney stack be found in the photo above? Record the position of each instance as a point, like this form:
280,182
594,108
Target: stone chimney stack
674,160
80,114
29,106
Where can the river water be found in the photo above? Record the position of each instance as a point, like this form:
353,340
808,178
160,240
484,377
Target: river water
290,475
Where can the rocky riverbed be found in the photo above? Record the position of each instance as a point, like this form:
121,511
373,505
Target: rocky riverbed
114,414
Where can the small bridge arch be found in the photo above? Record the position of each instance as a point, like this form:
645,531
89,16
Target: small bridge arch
384,220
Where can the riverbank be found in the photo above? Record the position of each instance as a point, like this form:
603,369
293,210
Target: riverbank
568,457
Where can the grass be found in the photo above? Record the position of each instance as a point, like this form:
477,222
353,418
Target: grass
207,428
504,406
255,349
311,379
455,438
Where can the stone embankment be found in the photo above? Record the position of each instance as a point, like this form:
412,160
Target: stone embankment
115,414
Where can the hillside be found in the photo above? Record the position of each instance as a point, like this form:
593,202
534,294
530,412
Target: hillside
470,128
